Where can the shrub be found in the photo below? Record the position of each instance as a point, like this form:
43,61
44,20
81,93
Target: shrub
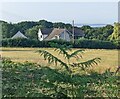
81,43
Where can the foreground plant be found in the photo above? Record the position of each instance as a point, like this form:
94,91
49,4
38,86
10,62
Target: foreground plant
33,80
68,65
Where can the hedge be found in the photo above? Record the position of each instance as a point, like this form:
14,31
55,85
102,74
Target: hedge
94,44
30,43
81,43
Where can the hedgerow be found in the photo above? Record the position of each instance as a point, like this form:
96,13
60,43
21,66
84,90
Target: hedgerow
81,43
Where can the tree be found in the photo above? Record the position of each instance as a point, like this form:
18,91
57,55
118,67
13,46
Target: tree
115,36
101,33
8,30
32,32
45,24
68,65
25,25
86,27
59,25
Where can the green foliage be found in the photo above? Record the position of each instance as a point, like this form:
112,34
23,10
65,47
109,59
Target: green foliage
62,25
101,33
8,30
64,51
115,36
33,80
52,59
30,28
21,42
86,64
45,24
81,43
86,27
94,44
23,26
32,33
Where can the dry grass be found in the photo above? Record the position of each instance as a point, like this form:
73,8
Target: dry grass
109,57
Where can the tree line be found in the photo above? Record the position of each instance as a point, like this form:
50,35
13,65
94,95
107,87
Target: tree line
30,29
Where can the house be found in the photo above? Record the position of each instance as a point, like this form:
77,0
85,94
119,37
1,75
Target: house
57,33
78,33
18,35
43,33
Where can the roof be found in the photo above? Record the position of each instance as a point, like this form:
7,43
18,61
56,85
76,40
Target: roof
46,31
56,31
77,32
19,35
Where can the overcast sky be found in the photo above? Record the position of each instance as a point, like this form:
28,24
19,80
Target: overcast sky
81,12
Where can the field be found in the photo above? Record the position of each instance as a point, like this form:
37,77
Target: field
109,58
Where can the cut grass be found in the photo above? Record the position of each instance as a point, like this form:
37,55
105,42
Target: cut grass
109,58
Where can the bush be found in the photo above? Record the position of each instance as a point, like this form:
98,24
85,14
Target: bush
94,44
81,43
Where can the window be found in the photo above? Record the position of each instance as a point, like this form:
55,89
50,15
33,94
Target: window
56,37
41,36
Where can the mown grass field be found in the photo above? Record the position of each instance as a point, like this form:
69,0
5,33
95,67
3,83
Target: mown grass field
109,58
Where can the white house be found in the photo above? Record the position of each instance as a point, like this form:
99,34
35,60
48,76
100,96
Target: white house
18,35
43,33
57,33
40,35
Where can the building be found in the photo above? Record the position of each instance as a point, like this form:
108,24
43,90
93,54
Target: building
57,33
78,33
18,35
43,33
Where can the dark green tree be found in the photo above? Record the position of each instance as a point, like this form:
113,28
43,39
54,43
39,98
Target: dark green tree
32,33
45,24
25,25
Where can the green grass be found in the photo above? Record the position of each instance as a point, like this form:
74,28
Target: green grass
109,58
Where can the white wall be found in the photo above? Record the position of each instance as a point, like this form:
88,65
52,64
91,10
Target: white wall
40,35
44,36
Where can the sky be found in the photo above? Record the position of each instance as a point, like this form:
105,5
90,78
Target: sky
80,12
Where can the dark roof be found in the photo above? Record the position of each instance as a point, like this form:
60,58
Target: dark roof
46,31
56,31
77,32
